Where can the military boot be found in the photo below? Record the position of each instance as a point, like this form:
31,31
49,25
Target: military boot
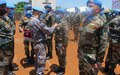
49,55
61,71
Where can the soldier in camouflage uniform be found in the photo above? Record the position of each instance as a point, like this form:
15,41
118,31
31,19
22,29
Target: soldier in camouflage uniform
6,40
113,56
93,39
27,37
61,40
71,20
76,24
48,19
67,18
10,13
39,30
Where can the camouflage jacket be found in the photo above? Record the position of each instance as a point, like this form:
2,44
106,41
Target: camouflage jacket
77,20
11,17
48,19
61,33
24,22
93,38
114,31
6,29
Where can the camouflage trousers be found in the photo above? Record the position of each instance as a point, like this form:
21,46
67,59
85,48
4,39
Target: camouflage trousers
61,53
113,56
40,52
13,53
27,50
76,33
86,64
6,55
49,44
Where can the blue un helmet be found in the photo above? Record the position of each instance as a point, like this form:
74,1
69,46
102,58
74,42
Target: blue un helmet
3,9
47,6
2,2
28,7
59,14
28,14
97,2
11,6
60,11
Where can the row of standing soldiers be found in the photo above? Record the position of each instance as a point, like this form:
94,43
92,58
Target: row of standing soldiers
38,27
95,34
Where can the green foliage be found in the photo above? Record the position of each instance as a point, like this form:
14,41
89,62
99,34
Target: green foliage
19,7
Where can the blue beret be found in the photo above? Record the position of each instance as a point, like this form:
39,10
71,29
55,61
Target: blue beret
2,2
10,5
28,14
28,7
62,11
38,9
47,6
97,2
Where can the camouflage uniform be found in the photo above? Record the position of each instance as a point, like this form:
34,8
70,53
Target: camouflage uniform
71,20
113,57
39,30
49,21
27,37
61,42
76,26
6,44
13,20
13,29
92,44
68,19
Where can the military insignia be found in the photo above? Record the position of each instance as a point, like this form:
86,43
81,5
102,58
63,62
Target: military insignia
92,26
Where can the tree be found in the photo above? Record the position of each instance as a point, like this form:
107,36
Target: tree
20,7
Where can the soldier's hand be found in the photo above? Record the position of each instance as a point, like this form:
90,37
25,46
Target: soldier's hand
55,25
20,30
96,66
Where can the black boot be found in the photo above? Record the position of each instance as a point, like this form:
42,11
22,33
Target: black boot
28,60
61,71
105,69
49,55
13,67
11,73
32,61
112,73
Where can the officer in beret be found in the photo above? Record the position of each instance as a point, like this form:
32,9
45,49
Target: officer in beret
93,39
